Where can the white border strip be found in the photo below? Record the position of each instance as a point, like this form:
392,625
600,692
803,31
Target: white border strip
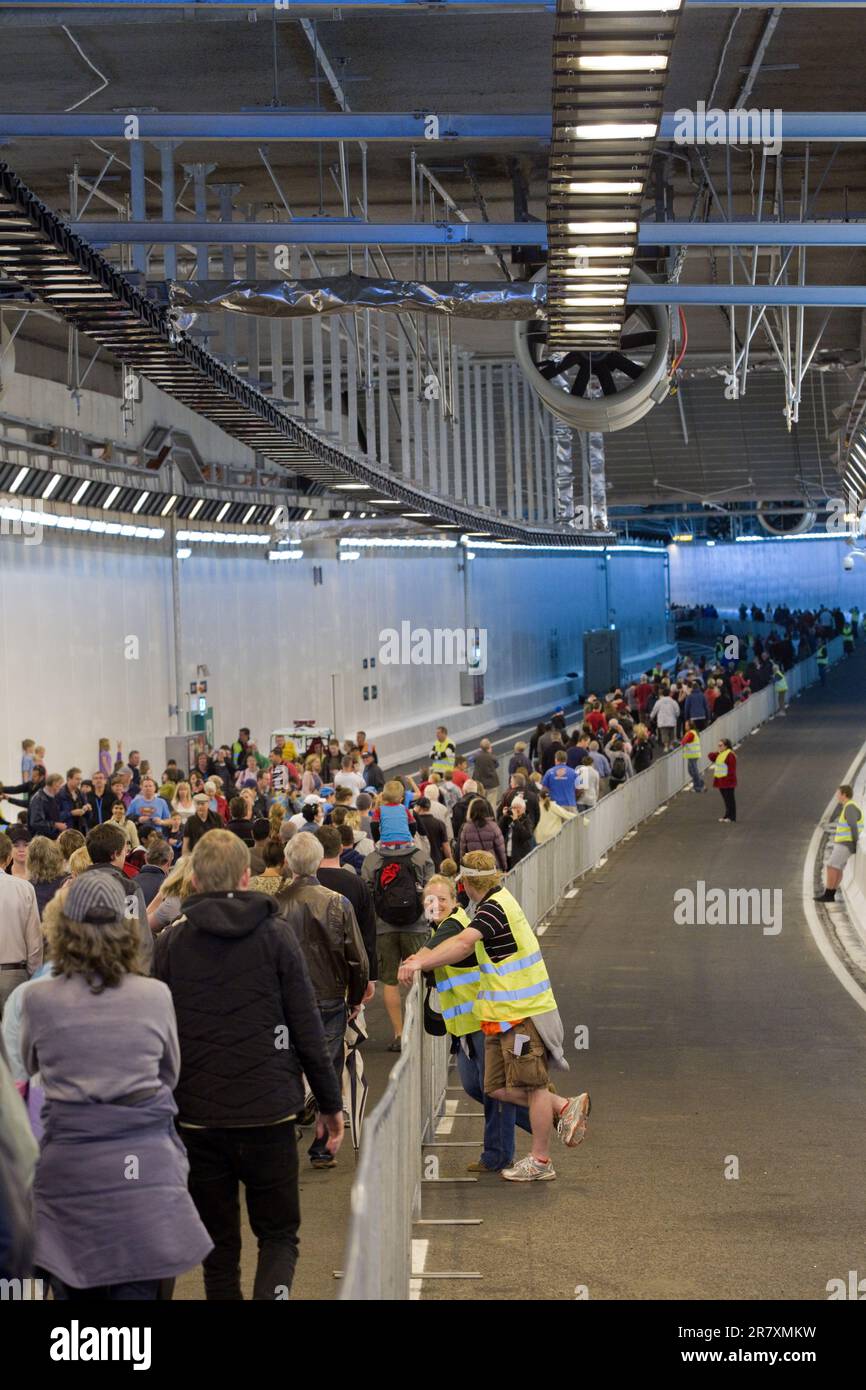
810,911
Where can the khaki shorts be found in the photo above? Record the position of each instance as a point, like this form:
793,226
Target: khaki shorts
838,856
394,946
501,1068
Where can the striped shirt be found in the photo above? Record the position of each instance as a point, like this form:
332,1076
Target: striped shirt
491,921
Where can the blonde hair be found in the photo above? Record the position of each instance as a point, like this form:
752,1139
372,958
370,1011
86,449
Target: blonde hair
183,786
219,861
178,881
79,860
480,860
44,860
441,881
393,792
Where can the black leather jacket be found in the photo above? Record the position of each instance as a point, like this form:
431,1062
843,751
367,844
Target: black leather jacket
327,932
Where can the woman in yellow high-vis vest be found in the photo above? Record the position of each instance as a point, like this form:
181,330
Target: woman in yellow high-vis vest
456,988
513,996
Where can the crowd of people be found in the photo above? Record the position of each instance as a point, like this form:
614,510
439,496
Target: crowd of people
181,957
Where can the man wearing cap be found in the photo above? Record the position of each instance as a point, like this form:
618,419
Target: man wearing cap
200,822
20,928
374,777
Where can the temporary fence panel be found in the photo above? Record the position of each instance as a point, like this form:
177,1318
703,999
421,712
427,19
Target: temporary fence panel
387,1189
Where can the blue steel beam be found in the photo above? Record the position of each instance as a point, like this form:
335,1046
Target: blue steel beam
335,232
402,126
412,6
812,296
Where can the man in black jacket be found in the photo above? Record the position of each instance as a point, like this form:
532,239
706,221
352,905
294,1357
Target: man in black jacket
248,1026
331,874
43,815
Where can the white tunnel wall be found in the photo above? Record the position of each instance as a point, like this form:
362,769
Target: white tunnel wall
799,573
71,614
271,638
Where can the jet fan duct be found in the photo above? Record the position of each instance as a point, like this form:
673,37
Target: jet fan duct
632,378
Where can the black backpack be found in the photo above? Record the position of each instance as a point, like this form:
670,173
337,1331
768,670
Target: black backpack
617,768
396,895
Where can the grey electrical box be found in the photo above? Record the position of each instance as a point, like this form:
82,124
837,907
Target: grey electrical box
471,688
600,661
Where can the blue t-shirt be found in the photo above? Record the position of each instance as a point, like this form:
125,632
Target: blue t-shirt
157,805
394,824
560,782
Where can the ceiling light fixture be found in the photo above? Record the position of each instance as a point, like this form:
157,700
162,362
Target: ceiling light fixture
19,479
50,487
81,491
140,503
602,228
595,302
613,130
620,62
593,187
591,327
595,252
112,497
168,506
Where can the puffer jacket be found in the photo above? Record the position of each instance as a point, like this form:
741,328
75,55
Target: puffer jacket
239,979
487,837
327,932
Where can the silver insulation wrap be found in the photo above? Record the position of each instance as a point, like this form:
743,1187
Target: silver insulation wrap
349,294
563,454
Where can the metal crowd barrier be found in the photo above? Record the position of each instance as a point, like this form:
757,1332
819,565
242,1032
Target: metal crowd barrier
387,1190
386,1196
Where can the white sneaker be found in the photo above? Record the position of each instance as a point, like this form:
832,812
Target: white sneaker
529,1169
571,1125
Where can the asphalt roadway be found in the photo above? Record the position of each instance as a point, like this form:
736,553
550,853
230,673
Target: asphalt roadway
712,1049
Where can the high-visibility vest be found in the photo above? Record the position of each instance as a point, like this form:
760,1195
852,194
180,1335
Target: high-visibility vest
517,987
843,834
457,986
443,756
846,631
781,682
720,766
693,749
822,656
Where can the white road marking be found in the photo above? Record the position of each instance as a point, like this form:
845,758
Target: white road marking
811,912
420,1251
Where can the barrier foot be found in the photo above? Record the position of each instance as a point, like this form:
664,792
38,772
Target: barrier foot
450,1221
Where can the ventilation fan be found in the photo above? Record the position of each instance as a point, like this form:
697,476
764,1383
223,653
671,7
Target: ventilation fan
785,518
632,378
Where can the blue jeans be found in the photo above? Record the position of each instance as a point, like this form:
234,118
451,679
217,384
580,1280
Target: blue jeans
697,779
499,1117
333,1015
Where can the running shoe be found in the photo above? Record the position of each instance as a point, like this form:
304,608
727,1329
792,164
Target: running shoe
528,1169
571,1125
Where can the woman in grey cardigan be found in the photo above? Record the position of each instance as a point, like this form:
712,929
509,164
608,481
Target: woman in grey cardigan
113,1214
